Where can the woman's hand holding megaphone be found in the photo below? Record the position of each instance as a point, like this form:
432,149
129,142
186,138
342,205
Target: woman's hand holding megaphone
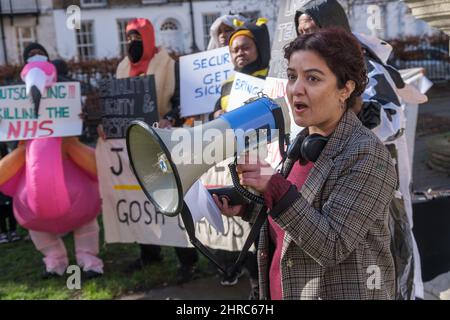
227,210
254,174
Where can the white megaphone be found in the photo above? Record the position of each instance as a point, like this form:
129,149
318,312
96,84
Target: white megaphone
166,172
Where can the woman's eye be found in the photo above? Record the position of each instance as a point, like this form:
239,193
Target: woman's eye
312,79
291,77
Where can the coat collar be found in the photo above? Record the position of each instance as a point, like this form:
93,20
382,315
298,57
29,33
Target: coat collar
348,124
339,138
310,190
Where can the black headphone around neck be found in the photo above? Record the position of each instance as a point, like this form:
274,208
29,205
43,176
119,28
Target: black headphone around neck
307,147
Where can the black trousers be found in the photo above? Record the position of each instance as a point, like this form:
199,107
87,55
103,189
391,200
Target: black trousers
187,256
7,215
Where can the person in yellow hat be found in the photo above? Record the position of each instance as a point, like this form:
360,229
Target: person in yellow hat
250,54
249,48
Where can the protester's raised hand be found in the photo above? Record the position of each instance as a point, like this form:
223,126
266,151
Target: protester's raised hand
164,124
100,132
83,115
67,141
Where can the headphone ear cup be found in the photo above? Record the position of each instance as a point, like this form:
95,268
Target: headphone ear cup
294,151
312,146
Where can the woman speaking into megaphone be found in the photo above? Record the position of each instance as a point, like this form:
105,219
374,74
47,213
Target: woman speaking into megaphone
328,207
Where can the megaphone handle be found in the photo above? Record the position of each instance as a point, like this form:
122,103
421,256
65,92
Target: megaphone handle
254,231
186,216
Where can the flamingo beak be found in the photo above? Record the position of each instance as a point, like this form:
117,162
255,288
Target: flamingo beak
36,98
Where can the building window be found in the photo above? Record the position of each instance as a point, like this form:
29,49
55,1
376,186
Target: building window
169,25
208,20
93,3
121,27
25,35
171,37
85,41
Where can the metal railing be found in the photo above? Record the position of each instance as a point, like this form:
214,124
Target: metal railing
430,53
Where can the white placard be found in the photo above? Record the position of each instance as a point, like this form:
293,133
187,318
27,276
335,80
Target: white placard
202,75
244,88
58,113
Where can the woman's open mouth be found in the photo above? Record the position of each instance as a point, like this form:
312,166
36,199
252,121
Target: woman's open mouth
300,107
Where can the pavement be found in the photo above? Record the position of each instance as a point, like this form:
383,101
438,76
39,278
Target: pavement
205,288
433,119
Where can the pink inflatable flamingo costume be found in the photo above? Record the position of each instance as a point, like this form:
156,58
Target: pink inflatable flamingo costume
53,182
41,74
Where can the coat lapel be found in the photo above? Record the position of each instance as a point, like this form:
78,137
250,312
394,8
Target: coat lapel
316,178
324,164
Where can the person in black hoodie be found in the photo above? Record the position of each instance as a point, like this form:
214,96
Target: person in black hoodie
324,13
379,103
319,14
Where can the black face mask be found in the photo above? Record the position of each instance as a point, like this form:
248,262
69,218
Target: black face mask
135,50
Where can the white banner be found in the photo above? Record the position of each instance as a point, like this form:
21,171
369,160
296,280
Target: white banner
58,113
128,216
202,75
244,88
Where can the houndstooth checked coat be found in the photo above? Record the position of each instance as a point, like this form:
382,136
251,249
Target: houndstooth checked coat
337,242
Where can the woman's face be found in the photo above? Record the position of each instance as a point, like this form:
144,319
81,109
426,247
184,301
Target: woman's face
313,93
224,33
243,51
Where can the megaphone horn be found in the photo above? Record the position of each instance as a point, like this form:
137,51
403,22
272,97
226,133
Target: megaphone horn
152,151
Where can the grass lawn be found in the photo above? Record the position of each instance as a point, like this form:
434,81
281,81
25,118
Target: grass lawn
21,267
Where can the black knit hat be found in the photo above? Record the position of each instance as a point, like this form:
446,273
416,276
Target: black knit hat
32,46
261,37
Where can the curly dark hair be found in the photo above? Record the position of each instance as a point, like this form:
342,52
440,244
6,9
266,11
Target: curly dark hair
342,53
